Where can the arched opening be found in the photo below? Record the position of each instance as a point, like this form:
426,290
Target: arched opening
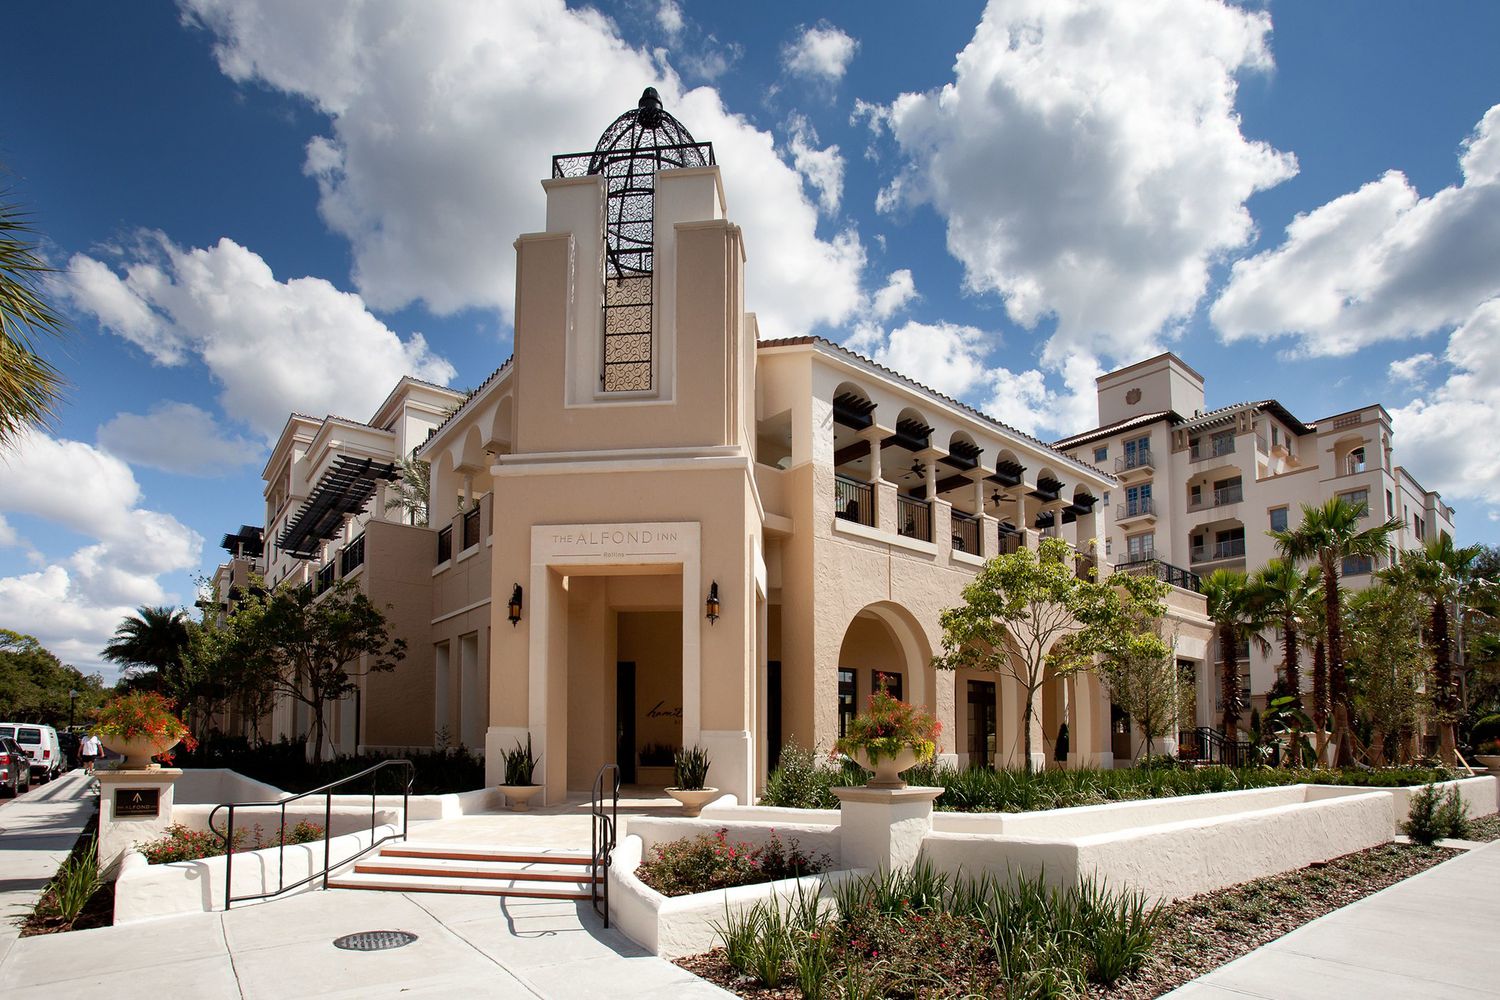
883,647
856,457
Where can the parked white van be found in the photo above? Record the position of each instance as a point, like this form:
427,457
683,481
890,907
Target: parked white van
40,742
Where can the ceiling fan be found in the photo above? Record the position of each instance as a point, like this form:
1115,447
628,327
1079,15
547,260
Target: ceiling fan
917,470
997,498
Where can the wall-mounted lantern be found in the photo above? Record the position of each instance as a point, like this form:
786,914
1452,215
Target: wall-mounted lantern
514,608
712,604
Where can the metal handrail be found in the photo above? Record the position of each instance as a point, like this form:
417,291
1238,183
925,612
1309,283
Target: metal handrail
227,836
603,828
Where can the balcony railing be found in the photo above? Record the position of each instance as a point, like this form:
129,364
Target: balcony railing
1165,572
325,579
853,500
965,533
352,557
1219,497
445,544
1138,459
1142,507
1233,548
471,528
914,518
1011,541
1215,449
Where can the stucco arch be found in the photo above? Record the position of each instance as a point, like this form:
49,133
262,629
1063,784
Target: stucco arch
503,426
908,641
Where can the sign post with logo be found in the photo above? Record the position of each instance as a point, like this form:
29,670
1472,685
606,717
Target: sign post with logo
134,806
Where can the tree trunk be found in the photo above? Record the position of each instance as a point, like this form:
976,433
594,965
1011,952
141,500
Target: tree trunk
1026,715
1377,747
1442,683
1229,682
1320,696
1338,681
1292,677
317,712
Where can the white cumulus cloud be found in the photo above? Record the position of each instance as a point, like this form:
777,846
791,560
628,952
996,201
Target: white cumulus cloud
74,604
822,168
177,437
272,346
820,52
896,294
439,133
1380,263
1088,160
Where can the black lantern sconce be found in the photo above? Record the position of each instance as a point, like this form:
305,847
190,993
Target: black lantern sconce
712,604
514,608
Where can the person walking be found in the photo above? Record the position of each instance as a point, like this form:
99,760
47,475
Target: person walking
90,749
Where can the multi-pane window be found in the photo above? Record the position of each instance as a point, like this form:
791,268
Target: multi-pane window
1138,500
1101,453
1278,519
1139,548
1359,499
1390,504
1137,452
847,699
1357,566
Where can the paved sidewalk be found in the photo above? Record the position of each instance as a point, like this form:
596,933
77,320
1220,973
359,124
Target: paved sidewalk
1430,936
37,831
474,947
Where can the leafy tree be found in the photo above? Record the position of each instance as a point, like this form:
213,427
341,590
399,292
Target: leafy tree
1440,574
318,646
238,675
1327,535
30,387
1030,615
1388,664
1232,609
1144,680
35,684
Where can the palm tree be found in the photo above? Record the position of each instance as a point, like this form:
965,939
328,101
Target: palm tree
1232,610
1285,596
412,491
150,645
1328,535
1440,572
30,386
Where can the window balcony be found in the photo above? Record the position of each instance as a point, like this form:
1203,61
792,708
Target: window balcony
1214,449
853,501
1233,548
1140,508
1221,497
1135,464
1176,576
914,518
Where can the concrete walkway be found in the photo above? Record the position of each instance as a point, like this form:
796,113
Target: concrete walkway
1431,936
37,831
562,827
472,947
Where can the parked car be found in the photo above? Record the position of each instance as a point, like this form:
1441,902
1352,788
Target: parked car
15,768
69,742
40,742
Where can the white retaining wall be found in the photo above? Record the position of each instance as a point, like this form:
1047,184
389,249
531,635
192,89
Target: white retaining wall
144,891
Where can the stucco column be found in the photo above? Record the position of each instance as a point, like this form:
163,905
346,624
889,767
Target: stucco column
942,525
929,457
883,828
874,434
885,507
989,536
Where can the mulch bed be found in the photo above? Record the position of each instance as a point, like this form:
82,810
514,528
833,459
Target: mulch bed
1485,829
1199,934
99,911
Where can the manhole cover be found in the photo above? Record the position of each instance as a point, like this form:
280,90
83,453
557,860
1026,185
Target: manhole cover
374,940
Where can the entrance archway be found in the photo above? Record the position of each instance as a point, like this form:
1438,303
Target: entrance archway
883,645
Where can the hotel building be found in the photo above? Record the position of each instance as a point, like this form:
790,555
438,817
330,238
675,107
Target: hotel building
652,528
1199,489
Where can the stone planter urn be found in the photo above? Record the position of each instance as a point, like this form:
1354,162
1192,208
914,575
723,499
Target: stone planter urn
1489,760
519,797
693,799
138,750
887,770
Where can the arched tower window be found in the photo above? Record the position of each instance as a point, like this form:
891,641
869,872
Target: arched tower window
629,153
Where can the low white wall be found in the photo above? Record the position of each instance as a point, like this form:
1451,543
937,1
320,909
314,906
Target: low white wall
345,818
1481,795
1079,821
810,839
144,891
772,814
685,925
213,785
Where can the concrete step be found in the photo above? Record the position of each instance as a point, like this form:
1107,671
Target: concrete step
477,852
482,887
445,867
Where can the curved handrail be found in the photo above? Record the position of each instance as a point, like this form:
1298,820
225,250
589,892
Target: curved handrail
602,833
326,791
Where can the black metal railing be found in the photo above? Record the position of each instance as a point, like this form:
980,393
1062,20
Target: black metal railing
1138,459
965,533
1140,507
471,527
352,557
1011,541
445,544
914,518
853,500
1210,746
325,579
1165,572
227,835
1216,449
603,827
1233,548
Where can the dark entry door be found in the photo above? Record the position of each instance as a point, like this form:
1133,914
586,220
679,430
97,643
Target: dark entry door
625,721
981,723
773,713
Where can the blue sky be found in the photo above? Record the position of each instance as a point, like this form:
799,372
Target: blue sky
264,206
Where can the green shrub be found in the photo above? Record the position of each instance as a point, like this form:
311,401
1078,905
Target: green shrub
801,781
519,763
1435,814
705,863
1486,730
182,844
691,765
76,882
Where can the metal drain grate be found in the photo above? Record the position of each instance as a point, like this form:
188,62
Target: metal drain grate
374,940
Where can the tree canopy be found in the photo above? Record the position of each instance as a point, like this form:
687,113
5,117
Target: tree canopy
34,684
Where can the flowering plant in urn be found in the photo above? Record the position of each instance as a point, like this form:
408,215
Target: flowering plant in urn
142,725
890,738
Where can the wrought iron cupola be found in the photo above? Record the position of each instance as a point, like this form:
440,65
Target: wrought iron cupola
629,153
